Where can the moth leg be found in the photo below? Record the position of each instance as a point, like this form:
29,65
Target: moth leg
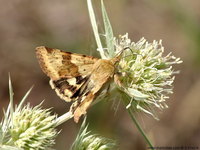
107,92
117,80
108,89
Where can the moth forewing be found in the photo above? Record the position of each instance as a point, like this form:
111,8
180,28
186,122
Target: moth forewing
75,77
57,64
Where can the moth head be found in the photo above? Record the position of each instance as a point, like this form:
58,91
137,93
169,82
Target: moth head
119,55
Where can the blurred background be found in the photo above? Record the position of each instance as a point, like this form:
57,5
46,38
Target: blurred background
65,24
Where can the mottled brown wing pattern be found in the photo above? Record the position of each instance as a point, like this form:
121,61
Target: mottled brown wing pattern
68,89
68,72
75,77
59,64
102,71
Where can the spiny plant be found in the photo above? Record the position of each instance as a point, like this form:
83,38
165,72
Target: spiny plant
144,80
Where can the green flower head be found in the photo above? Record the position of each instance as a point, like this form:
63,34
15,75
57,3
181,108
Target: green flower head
87,141
33,128
145,75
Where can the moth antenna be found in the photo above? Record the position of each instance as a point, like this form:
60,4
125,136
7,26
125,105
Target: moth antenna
120,52
128,48
118,55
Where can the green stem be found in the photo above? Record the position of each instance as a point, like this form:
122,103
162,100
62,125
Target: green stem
139,127
64,118
95,28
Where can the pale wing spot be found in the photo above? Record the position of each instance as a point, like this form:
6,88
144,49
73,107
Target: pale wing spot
65,96
67,92
72,81
62,96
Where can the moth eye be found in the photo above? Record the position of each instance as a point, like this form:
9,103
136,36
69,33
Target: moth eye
83,69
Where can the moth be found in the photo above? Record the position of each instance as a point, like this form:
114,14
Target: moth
75,77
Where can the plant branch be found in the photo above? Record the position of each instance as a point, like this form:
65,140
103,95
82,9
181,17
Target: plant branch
139,127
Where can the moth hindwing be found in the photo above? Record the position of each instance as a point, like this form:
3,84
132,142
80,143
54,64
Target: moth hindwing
75,77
